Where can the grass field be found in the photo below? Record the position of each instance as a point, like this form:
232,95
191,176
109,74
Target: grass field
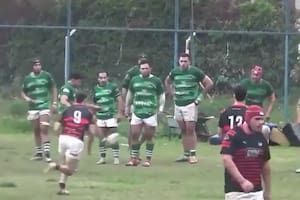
24,179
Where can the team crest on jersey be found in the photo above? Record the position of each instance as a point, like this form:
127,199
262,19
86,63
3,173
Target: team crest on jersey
66,90
253,152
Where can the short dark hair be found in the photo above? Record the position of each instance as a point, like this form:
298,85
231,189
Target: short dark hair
145,61
185,55
240,93
142,60
76,75
102,71
80,97
35,60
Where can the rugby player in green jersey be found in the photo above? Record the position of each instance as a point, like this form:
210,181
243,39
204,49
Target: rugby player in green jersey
258,90
185,82
132,72
66,95
39,91
67,92
146,97
107,96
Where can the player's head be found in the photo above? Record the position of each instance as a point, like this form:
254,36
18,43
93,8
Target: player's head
102,77
240,93
254,117
256,73
76,78
80,97
36,65
184,60
145,68
142,57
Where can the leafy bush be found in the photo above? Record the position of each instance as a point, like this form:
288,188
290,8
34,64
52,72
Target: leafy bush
15,125
18,108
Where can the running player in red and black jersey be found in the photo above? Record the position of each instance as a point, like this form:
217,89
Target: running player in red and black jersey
246,156
234,115
75,121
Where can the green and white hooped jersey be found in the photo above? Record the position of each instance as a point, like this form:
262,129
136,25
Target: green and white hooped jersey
70,91
132,72
146,92
186,84
257,92
106,97
39,87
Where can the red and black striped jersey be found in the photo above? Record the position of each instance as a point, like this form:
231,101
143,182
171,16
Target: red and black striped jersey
249,153
232,117
75,120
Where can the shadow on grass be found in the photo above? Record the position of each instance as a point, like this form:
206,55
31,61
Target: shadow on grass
8,185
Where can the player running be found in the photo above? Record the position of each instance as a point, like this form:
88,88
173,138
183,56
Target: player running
75,121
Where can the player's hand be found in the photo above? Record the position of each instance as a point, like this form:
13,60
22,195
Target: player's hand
127,113
247,186
29,100
54,108
119,117
92,106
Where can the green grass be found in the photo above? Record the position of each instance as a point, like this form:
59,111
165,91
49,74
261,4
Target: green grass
24,179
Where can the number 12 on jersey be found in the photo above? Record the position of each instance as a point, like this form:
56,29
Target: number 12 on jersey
235,120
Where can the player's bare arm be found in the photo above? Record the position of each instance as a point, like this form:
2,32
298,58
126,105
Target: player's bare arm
54,98
207,84
271,101
120,106
26,98
92,106
266,177
128,103
168,85
64,100
124,93
54,95
162,101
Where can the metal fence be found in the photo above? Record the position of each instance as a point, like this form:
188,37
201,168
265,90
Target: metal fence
174,34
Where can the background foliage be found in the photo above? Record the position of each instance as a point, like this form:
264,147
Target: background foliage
218,54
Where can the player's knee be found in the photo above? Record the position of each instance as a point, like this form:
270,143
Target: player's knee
69,172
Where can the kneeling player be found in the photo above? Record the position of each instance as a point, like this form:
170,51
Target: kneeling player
75,121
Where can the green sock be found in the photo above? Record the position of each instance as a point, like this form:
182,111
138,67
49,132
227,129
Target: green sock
115,150
193,152
102,149
186,153
135,149
149,150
